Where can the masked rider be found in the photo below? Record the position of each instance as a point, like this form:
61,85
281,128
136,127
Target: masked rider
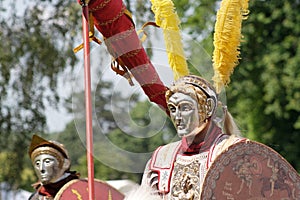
51,163
177,170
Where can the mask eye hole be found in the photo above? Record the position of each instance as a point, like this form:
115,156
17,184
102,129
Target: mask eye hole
37,163
186,107
48,161
172,108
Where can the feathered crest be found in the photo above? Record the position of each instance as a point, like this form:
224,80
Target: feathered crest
168,20
227,39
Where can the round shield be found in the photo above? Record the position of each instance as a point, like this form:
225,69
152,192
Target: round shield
78,189
251,171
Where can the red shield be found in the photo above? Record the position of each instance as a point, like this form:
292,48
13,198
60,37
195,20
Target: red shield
78,189
251,171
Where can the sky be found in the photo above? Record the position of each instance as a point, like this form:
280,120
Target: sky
57,119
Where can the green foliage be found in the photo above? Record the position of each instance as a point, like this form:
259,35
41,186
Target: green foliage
8,168
115,142
197,17
71,140
154,132
35,48
28,177
265,90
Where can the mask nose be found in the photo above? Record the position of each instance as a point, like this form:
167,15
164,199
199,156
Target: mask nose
41,168
177,117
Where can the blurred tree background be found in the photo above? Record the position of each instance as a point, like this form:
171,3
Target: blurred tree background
36,50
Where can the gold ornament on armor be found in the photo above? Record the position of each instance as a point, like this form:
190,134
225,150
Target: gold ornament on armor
186,181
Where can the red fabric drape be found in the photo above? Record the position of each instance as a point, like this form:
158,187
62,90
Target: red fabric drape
122,42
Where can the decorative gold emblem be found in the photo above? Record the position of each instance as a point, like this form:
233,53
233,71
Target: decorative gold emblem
77,194
186,181
109,195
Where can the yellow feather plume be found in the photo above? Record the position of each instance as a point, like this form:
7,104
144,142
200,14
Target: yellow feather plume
227,39
168,20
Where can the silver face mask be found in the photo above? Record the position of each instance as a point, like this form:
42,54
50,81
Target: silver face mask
199,107
47,168
184,113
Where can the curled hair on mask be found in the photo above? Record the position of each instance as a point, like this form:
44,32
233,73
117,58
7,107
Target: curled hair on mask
187,89
192,91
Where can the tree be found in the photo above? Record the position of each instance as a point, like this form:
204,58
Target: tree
124,136
148,129
36,49
264,92
197,17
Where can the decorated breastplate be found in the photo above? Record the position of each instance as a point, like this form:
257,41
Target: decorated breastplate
175,175
188,174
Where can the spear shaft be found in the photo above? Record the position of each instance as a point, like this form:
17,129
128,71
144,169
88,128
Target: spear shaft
88,102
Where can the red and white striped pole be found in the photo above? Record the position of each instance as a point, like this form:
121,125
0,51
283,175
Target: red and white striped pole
88,100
